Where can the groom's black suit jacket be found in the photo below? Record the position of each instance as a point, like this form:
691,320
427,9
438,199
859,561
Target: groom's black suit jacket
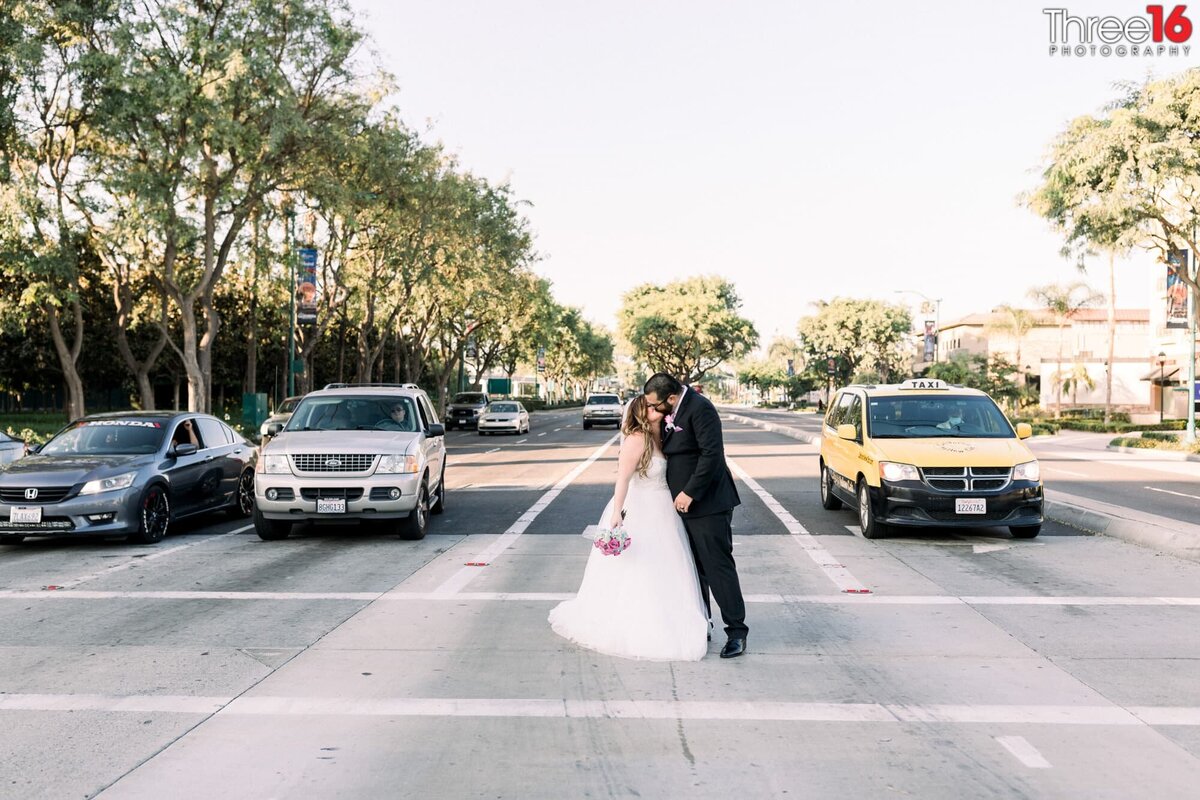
696,458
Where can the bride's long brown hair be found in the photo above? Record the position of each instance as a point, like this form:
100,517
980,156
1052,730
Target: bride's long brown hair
638,421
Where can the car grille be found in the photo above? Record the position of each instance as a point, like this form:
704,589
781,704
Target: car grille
333,462
331,493
967,479
53,494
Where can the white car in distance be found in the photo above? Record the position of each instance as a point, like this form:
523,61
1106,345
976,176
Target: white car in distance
504,416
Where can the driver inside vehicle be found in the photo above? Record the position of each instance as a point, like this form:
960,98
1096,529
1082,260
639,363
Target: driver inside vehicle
954,420
399,415
186,434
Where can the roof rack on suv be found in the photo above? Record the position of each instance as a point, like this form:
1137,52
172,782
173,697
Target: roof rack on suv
372,385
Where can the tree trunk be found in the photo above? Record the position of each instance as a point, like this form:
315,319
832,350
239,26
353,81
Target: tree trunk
1058,378
197,386
1112,336
68,357
251,382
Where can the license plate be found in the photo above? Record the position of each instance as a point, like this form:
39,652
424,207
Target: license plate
965,505
331,505
25,515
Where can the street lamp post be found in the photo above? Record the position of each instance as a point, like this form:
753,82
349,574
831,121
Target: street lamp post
1162,386
937,317
291,234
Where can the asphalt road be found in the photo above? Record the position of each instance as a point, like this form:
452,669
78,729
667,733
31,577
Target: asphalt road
351,664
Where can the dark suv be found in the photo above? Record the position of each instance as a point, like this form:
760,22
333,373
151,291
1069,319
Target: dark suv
464,410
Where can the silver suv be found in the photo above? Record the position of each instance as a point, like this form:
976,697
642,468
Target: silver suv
602,409
360,452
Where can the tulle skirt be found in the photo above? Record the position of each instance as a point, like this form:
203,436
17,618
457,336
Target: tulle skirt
644,603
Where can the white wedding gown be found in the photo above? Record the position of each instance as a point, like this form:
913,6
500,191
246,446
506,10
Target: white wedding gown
644,603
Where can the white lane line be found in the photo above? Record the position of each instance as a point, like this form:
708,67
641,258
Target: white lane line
556,430
833,570
457,582
133,562
1168,491
555,597
541,434
1064,471
520,441
1024,752
559,708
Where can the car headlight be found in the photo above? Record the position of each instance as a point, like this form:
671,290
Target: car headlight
274,465
109,484
1029,471
397,465
891,471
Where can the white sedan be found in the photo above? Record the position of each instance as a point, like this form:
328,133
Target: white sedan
505,416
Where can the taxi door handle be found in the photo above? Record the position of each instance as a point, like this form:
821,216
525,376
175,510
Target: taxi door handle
210,458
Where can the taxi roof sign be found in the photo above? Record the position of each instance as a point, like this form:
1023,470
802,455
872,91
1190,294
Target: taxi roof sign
925,384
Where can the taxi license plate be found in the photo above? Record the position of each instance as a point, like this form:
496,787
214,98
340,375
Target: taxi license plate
966,505
27,515
336,505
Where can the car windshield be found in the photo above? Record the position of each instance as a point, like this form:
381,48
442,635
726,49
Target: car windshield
469,399
107,437
353,413
287,406
604,400
502,408
928,416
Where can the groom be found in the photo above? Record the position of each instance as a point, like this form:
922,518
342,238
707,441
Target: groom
704,496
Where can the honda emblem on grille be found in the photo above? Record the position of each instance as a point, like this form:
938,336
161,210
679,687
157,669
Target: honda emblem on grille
31,494
333,463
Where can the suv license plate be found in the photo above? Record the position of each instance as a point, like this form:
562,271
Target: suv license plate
26,515
331,505
966,505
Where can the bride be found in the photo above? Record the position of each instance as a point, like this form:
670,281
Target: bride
644,603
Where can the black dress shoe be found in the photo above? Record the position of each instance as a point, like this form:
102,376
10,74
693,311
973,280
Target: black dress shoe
733,648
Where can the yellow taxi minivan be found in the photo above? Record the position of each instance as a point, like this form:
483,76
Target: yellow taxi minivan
925,453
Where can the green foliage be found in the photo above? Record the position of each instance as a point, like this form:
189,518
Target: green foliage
862,335
686,328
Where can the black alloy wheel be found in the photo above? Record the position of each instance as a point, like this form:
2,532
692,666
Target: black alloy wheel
244,502
417,523
829,500
154,516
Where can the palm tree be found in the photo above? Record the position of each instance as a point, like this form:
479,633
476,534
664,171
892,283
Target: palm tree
1063,302
1014,322
1072,380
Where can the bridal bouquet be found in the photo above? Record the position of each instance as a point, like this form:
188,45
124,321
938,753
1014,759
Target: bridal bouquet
612,541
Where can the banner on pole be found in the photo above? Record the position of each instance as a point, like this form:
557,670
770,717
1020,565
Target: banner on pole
930,339
306,287
1177,290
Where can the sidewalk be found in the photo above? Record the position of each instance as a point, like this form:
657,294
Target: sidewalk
1084,513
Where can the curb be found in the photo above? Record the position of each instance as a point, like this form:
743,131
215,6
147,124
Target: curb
1170,455
1165,535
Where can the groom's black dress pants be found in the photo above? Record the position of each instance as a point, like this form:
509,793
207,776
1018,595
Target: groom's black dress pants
711,537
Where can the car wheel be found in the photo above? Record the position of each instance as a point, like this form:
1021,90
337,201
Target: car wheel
11,538
243,503
866,517
1024,531
449,427
270,530
587,426
154,516
417,523
439,498
829,501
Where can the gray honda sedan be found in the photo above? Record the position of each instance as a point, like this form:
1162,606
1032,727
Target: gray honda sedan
129,473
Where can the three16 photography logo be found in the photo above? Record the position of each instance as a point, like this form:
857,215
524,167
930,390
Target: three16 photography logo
1161,33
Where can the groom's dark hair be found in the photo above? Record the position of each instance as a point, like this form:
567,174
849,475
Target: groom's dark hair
663,385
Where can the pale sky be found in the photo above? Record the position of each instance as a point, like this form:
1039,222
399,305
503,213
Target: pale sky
803,150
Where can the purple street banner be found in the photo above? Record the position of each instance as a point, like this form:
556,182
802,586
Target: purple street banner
930,337
1177,290
306,287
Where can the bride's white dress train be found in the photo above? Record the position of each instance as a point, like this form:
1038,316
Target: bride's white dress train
644,603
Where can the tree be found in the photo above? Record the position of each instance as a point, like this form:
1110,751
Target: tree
686,327
1063,302
862,335
1017,323
1071,381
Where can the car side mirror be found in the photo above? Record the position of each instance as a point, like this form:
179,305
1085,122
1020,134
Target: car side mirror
847,432
184,449
436,429
1024,430
274,428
